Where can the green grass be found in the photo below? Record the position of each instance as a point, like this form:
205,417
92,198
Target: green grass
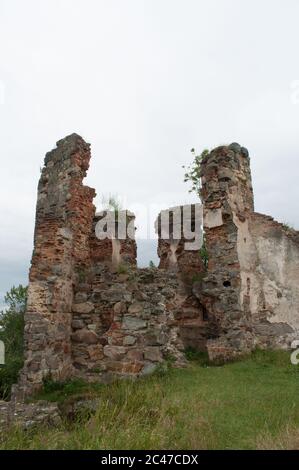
62,391
253,403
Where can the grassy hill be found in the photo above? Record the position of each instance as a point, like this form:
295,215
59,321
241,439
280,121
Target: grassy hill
253,403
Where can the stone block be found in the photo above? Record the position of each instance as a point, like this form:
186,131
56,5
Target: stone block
153,354
133,323
148,369
129,340
95,352
135,308
135,355
120,307
85,307
77,324
85,336
114,352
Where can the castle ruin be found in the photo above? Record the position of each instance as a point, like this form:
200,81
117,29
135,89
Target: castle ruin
87,318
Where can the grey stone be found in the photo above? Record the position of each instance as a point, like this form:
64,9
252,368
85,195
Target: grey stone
112,295
153,354
136,307
128,297
244,152
235,147
273,329
129,340
80,297
77,324
133,323
148,369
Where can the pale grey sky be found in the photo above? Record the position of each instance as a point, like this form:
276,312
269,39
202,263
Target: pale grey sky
144,81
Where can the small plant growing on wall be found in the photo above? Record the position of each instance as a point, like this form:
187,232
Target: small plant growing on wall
192,175
81,275
192,171
122,268
287,226
112,203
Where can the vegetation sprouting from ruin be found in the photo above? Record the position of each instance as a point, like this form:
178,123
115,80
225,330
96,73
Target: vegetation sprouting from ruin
192,175
112,203
192,171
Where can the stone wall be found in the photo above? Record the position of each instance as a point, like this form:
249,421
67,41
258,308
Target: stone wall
65,256
179,252
61,249
92,313
125,324
269,265
250,290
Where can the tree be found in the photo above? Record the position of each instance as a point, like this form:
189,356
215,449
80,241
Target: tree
12,333
192,173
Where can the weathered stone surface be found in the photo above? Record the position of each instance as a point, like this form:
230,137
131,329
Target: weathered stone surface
85,336
135,355
148,369
113,295
153,354
133,323
28,415
120,307
80,297
86,307
134,308
213,218
114,352
61,251
129,340
77,324
249,262
95,352
122,326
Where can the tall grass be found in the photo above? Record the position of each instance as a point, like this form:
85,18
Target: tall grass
244,405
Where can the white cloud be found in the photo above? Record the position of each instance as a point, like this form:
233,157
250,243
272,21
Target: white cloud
144,81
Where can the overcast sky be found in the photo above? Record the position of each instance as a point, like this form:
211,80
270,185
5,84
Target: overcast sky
144,81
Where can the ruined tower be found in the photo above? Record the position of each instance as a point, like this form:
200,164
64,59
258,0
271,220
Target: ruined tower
64,215
253,261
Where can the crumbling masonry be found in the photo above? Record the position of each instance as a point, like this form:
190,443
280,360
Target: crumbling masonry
92,313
